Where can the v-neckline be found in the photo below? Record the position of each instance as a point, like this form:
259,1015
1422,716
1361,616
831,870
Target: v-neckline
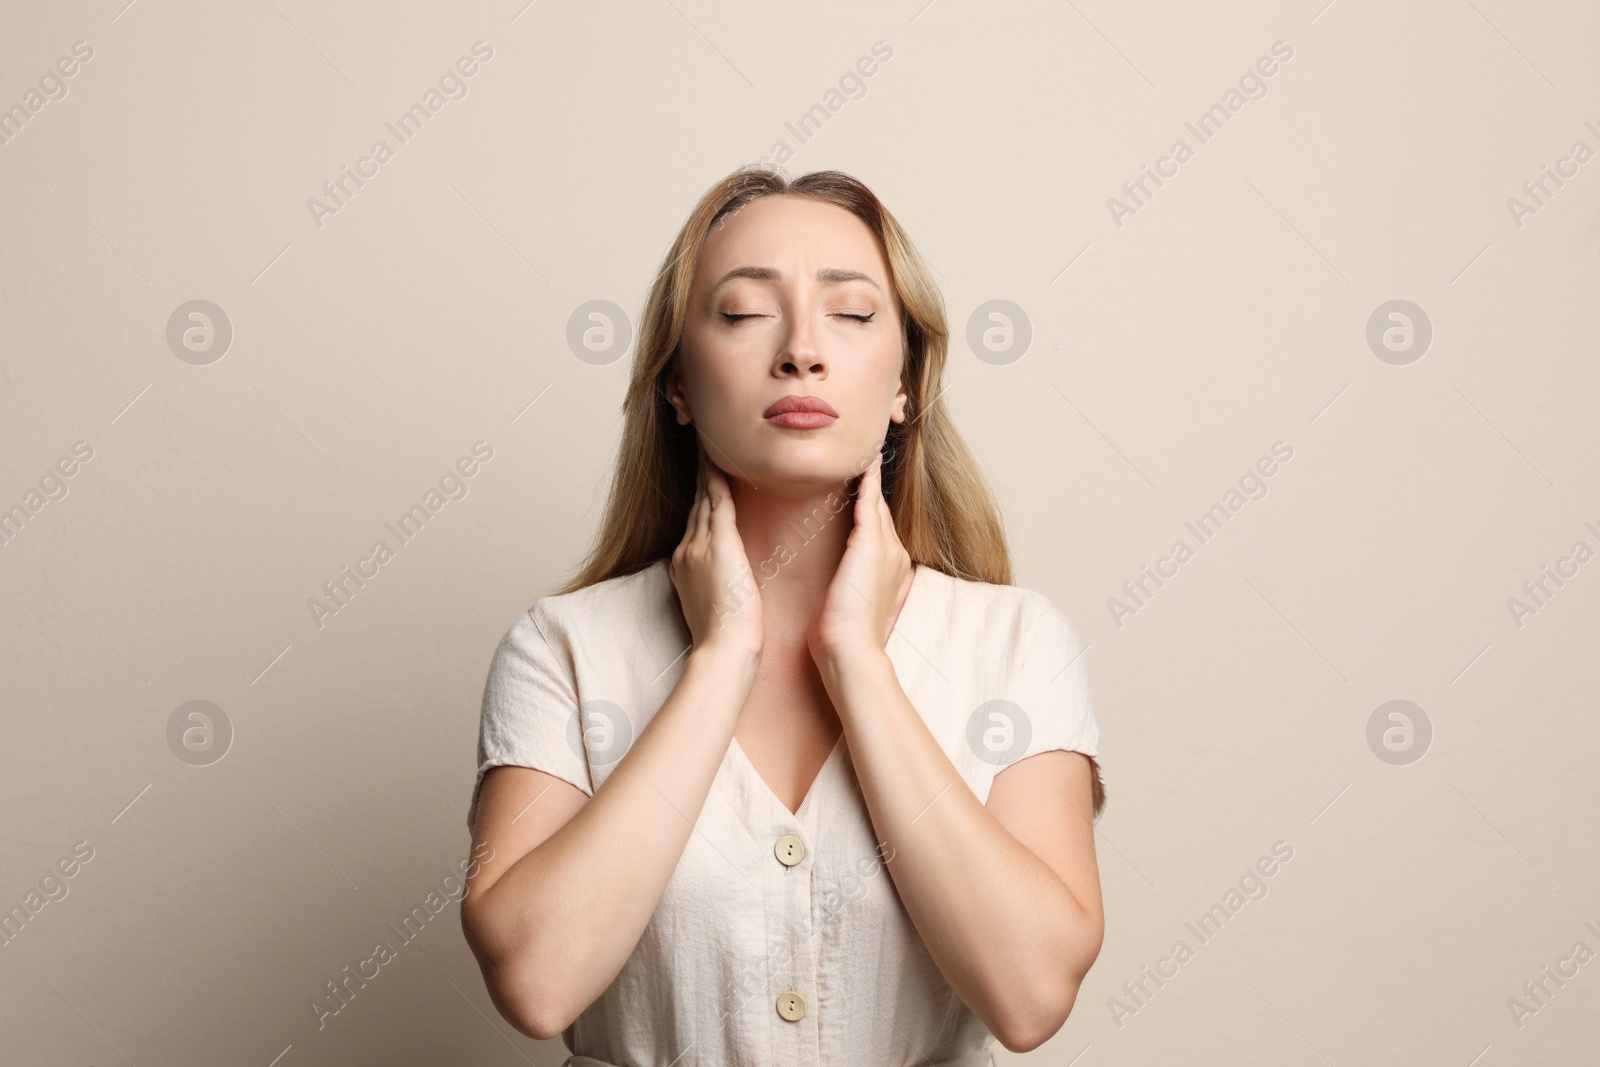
811,790
838,744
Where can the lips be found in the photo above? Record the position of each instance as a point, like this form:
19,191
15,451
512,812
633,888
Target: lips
801,412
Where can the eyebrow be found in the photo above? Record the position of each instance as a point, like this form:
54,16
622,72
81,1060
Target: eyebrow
769,274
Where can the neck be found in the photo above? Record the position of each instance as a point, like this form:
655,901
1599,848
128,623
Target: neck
794,541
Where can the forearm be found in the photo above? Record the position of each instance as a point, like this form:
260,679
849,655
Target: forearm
564,918
1004,930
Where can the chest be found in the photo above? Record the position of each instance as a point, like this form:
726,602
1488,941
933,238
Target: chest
788,726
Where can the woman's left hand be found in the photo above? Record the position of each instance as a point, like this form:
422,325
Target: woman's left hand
860,601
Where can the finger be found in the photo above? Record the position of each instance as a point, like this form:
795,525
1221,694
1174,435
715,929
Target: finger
865,528
883,504
872,484
691,521
717,482
712,476
721,494
703,514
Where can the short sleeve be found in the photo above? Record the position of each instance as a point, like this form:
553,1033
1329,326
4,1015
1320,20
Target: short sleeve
529,709
1050,683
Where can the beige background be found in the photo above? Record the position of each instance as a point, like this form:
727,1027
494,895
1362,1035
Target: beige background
1168,354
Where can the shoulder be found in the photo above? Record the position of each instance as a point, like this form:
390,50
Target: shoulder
597,607
594,627
1002,614
998,673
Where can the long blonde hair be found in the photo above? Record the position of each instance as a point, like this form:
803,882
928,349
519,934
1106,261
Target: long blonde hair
943,510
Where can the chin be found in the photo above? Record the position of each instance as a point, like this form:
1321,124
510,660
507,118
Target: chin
808,469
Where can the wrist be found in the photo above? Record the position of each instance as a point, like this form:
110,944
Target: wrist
726,657
843,659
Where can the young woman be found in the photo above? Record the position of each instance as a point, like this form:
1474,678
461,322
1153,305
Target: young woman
790,773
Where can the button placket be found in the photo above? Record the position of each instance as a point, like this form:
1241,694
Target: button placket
790,850
793,990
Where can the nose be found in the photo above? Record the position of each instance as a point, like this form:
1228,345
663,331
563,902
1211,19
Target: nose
799,356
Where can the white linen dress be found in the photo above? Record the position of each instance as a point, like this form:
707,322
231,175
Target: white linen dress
780,939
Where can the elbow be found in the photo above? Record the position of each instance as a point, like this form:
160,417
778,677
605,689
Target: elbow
514,981
1035,1023
1037,1016
524,1003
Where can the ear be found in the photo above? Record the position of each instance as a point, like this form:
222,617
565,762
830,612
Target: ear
901,398
673,387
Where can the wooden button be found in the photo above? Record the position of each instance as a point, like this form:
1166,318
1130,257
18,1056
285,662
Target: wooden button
792,1006
790,849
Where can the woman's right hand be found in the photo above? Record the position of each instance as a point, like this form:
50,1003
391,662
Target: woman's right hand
716,588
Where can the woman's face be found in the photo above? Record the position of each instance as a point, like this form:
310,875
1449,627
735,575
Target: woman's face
790,298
